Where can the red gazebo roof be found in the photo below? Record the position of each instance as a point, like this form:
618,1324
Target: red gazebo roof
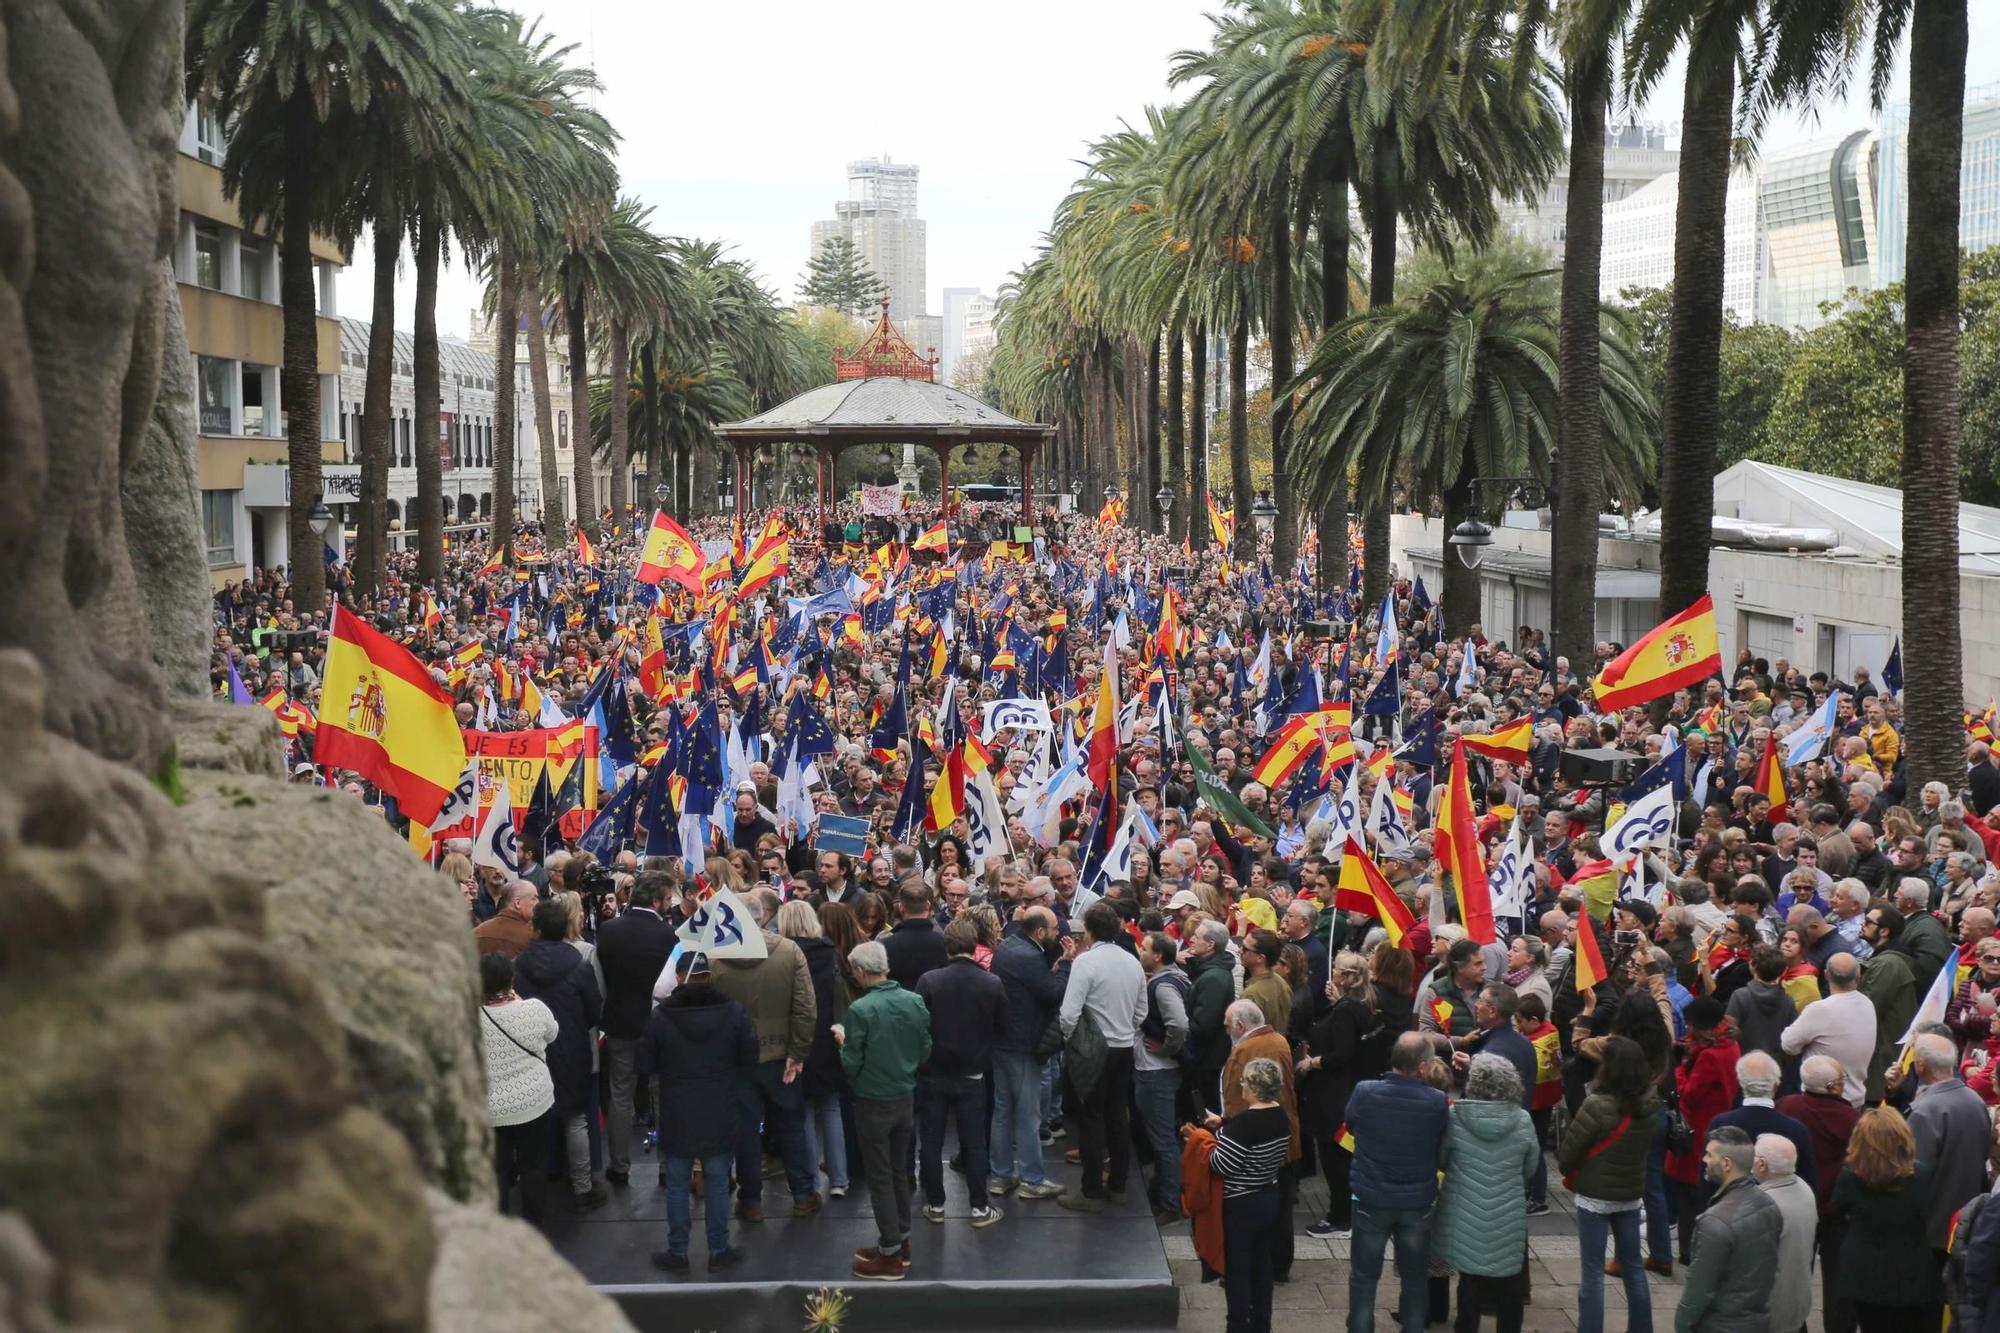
884,353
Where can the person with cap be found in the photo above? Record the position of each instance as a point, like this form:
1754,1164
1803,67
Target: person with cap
701,1048
1183,904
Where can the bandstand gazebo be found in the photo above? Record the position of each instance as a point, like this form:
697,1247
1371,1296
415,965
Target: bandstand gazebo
885,393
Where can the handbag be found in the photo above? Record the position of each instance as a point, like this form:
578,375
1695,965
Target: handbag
1617,1133
1680,1134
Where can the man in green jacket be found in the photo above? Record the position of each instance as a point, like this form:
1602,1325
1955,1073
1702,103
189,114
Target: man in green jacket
1889,980
887,1035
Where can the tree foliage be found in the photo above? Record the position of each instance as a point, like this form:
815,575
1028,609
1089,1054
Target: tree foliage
838,278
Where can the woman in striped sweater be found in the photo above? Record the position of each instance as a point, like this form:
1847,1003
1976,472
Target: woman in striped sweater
1250,1150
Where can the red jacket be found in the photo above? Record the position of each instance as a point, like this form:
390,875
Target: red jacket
1201,1196
1707,1084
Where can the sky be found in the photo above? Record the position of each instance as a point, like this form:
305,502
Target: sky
738,121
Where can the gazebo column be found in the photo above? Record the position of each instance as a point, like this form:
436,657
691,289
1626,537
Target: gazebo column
944,479
742,483
824,468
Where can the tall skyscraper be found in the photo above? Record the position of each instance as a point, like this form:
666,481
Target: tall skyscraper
879,216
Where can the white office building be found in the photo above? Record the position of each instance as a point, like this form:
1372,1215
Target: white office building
1639,242
1634,156
879,218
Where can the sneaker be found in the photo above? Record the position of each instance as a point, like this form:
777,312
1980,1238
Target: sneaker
1041,1189
986,1217
589,1202
1047,1138
806,1207
1324,1230
934,1212
836,1191
1001,1186
1081,1203
749,1212
727,1259
619,1178
1056,1131
874,1252
1539,1209
669,1262
879,1269
1165,1217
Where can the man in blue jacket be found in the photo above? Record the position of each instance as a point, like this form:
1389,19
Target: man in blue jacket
1398,1122
1033,965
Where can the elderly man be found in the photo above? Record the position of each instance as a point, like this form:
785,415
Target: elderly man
1735,1258
1033,964
1841,1027
1829,1119
1251,1038
509,931
1212,985
1399,1123
885,1037
1953,1132
777,992
1847,904
1758,1114
1777,1174
1924,936
1297,926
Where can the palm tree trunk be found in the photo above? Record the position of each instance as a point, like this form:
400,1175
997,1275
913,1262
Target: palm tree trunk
1691,409
1285,526
699,467
1149,471
1580,474
504,426
1135,435
431,499
1107,444
1093,406
649,388
1933,724
372,541
1239,436
1334,239
1459,598
1382,208
582,465
1198,529
299,381
1177,516
621,421
553,518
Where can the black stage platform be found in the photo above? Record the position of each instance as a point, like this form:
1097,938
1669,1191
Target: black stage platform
1040,1267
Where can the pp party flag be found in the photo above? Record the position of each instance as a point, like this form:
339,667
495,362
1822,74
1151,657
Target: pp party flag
670,553
1681,652
1458,851
1509,744
1590,968
586,554
934,538
1771,777
385,718
495,843
1363,888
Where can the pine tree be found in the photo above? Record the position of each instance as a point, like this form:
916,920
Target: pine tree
839,278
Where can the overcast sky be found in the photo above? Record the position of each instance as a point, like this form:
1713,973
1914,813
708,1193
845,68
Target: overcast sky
738,120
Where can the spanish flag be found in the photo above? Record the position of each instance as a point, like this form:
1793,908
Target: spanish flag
766,568
1771,776
1458,851
586,554
1509,744
1363,888
933,538
775,533
1590,968
492,565
670,553
1221,524
947,795
653,659
387,719
1682,652
1298,738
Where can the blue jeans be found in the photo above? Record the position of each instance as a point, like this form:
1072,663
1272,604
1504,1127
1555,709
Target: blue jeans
714,1202
962,1100
768,1099
1154,1090
1374,1228
826,1138
1592,1231
1659,1217
1017,1117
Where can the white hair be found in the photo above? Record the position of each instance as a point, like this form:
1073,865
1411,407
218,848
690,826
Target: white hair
1822,1073
1936,1056
869,958
1778,1154
1757,1074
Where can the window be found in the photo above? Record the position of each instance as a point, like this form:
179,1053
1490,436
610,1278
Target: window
208,256
217,391
255,261
208,136
562,430
403,431
218,524
256,420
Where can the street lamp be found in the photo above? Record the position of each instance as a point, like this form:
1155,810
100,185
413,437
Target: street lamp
662,493
1473,537
1163,500
1264,511
321,519
1471,540
721,491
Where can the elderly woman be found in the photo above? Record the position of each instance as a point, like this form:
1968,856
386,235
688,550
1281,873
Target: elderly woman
1960,888
1489,1156
1527,964
520,1096
1250,1150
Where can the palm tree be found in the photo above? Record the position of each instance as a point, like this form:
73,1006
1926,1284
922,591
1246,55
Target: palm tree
1717,37
276,69
1460,381
1811,47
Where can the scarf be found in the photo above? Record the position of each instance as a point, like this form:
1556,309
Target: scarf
1514,976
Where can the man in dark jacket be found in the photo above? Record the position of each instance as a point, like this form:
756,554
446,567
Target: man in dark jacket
632,948
1762,1009
777,992
1758,1113
702,1048
915,944
1829,1119
1953,1132
552,971
1735,1245
1398,1123
968,1019
1923,935
1033,967
1212,986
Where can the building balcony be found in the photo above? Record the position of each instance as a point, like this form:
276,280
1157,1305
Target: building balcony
240,329
220,460
198,189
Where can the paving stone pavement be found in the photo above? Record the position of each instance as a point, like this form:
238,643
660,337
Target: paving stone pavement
1316,1301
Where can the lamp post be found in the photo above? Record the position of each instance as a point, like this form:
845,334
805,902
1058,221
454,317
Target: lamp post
1163,500
662,493
721,492
321,519
1075,494
1264,512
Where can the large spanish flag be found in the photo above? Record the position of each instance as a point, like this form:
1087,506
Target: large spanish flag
1364,888
385,718
933,538
670,553
1298,738
1684,651
1458,851
1771,776
1589,955
586,554
1509,744
769,566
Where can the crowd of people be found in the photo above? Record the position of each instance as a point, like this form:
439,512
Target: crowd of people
1765,1046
